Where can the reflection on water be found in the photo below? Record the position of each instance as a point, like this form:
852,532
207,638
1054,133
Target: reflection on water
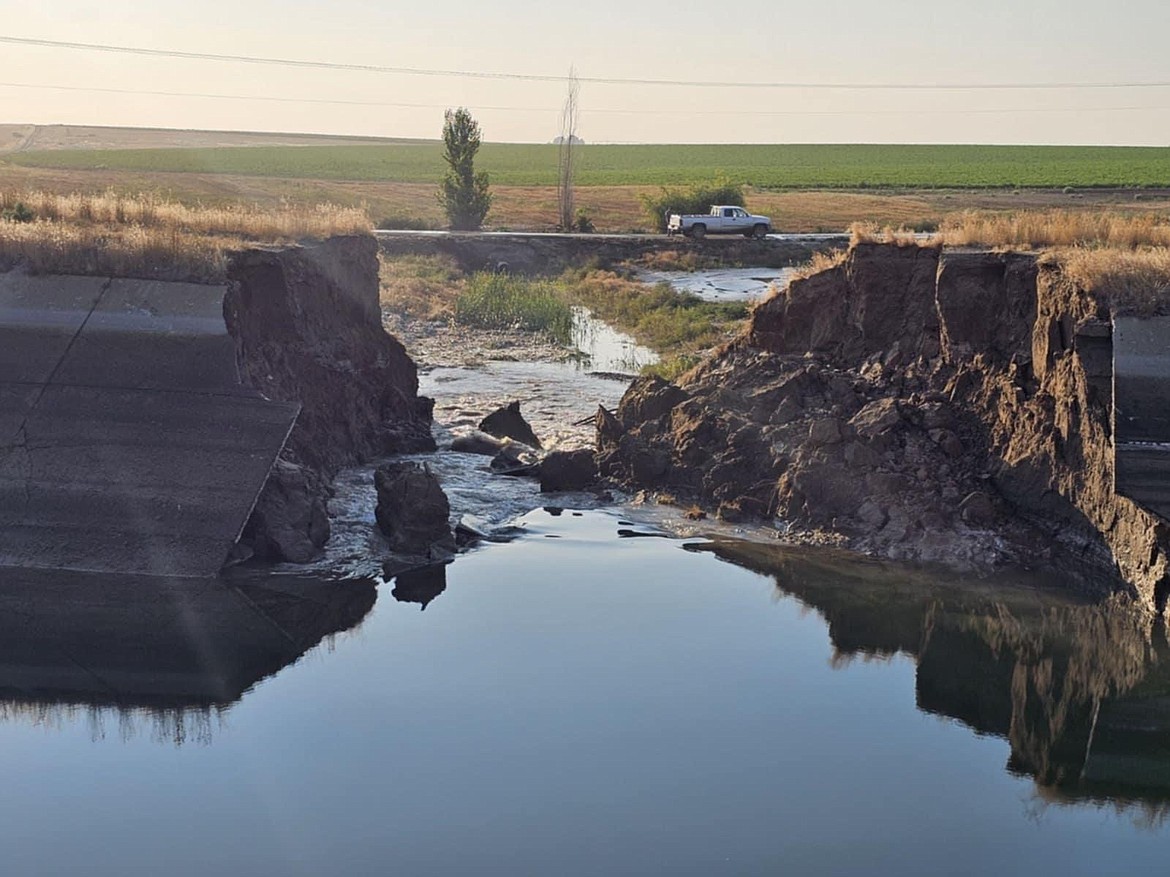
1082,693
606,349
170,654
586,704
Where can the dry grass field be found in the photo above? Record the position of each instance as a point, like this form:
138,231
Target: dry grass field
148,236
612,208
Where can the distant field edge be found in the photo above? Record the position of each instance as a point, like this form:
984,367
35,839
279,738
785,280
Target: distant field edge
778,167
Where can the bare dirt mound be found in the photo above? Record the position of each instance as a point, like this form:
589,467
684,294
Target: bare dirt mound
914,404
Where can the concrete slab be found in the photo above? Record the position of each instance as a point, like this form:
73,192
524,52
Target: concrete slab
127,443
155,335
39,316
1141,411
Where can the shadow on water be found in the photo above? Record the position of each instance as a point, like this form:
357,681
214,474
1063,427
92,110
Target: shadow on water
169,653
1080,692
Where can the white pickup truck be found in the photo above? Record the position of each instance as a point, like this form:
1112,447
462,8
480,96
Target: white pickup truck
723,219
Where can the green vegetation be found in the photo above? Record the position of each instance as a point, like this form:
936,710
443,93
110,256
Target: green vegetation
762,166
504,301
675,324
463,193
696,199
668,321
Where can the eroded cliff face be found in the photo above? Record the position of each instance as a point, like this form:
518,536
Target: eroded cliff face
915,404
308,329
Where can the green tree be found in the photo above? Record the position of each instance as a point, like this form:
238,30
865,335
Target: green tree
463,194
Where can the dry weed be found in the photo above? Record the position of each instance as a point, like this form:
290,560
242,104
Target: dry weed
1056,228
251,221
148,236
1132,282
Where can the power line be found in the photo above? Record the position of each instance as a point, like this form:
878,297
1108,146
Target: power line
257,97
602,80
598,111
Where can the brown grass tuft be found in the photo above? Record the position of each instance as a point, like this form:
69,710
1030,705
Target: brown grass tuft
821,261
1132,282
424,287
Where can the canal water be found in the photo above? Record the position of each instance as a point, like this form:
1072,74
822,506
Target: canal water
594,696
590,698
722,284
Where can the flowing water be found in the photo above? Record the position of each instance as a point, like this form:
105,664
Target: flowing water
591,697
722,284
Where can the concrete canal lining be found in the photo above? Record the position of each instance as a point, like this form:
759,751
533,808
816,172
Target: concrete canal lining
1141,411
128,442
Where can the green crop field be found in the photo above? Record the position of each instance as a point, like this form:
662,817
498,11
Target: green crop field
762,166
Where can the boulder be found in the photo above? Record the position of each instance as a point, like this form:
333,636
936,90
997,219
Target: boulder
477,443
507,422
567,470
514,460
413,512
289,523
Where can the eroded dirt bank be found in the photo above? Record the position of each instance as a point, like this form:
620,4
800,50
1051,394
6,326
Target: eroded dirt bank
914,404
307,326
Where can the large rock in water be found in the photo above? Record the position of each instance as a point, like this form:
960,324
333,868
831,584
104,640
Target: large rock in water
507,422
567,470
413,512
307,326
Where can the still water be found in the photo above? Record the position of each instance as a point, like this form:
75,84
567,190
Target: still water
587,699
722,284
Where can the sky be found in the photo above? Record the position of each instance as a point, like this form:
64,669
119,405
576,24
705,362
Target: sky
846,43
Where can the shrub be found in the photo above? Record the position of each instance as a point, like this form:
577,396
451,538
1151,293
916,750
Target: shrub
696,199
505,301
20,212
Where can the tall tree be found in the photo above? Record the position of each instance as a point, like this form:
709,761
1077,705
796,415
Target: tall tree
463,194
565,158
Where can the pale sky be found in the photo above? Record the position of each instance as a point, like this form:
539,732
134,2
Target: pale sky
888,41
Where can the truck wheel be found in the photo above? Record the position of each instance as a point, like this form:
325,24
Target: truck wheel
760,232
698,232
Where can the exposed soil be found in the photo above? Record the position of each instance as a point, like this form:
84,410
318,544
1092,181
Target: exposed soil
910,404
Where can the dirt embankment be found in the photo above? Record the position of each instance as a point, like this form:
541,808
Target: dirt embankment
307,326
914,404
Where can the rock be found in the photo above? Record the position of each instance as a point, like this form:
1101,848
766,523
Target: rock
948,442
871,515
978,509
513,460
290,523
413,511
507,422
477,443
567,470
649,398
861,456
609,430
876,418
825,431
